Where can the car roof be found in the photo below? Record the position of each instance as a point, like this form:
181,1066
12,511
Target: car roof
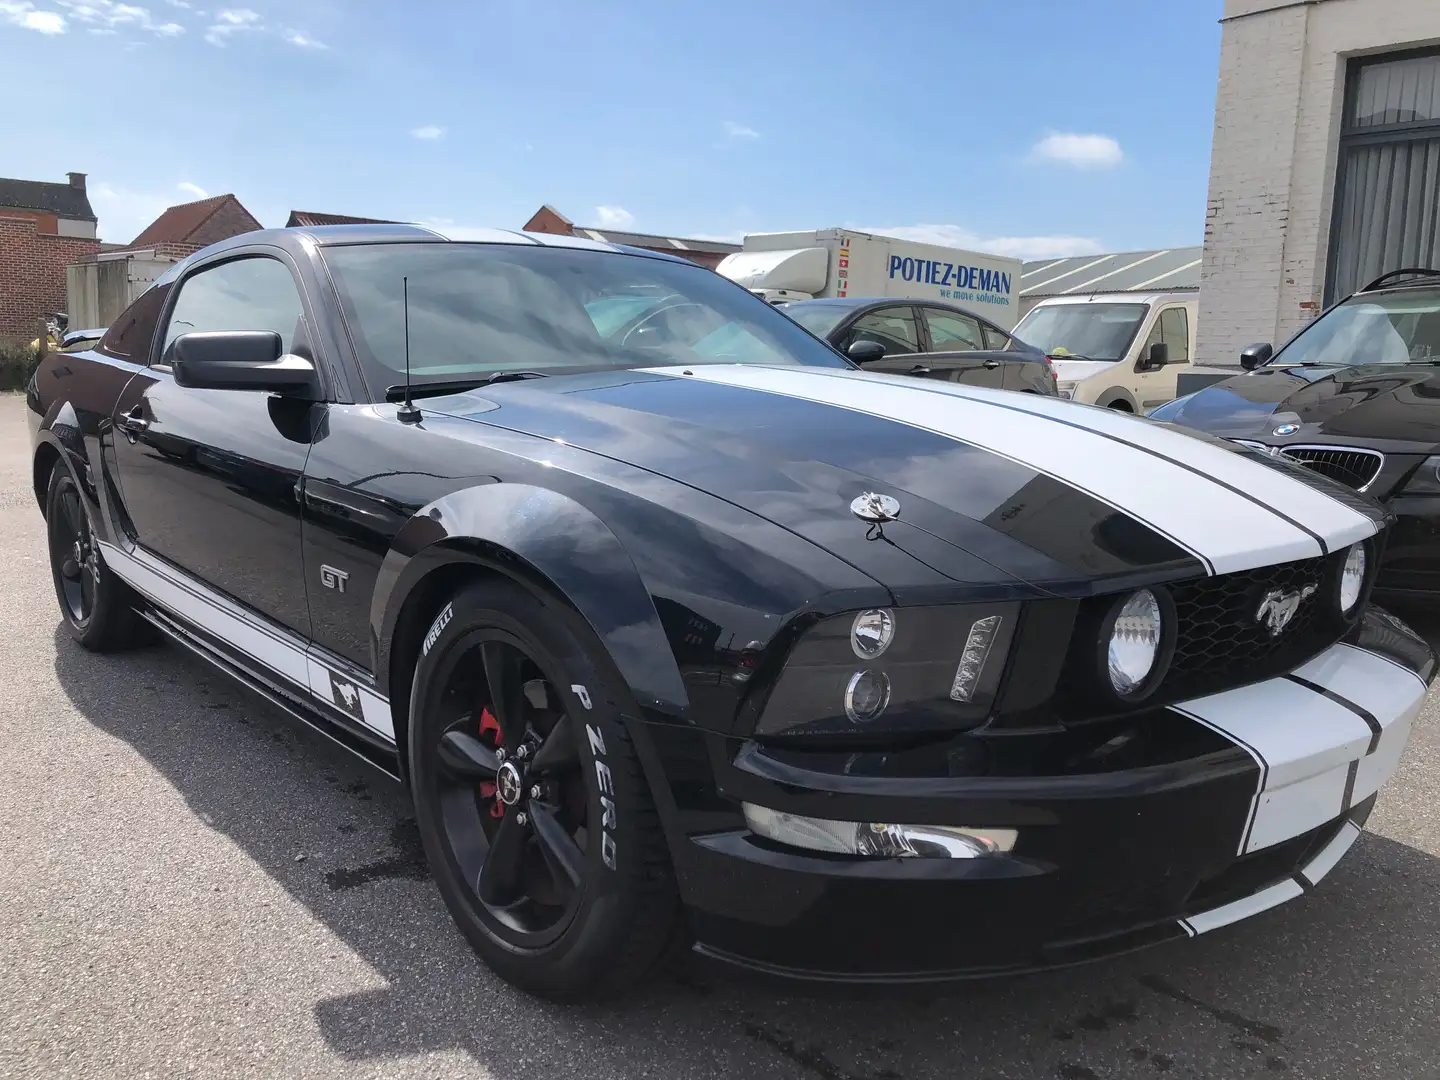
339,235
1119,298
1418,278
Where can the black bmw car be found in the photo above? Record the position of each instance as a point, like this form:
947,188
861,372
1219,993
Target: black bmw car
692,632
928,339
1354,396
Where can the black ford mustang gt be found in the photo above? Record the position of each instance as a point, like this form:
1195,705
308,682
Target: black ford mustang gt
1355,396
704,635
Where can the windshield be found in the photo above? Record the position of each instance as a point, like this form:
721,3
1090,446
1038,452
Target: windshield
478,309
1094,331
819,319
1398,329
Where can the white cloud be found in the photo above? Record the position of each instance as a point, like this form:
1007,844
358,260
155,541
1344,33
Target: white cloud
23,14
430,132
613,217
302,40
739,131
1016,247
1080,151
230,22
123,213
102,15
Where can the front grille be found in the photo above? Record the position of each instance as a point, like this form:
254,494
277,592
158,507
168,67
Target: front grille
1353,468
1219,637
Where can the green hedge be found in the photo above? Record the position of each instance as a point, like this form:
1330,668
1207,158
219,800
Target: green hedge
16,364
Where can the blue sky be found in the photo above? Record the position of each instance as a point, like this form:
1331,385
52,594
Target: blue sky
1033,127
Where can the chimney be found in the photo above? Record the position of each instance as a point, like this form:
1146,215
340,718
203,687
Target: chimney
77,180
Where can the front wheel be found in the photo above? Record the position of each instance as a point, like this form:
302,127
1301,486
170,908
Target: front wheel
536,820
97,607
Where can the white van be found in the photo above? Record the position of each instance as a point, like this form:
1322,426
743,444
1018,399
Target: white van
1120,350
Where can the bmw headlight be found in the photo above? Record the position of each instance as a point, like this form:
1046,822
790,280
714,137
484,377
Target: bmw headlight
1425,480
1352,578
882,671
1136,635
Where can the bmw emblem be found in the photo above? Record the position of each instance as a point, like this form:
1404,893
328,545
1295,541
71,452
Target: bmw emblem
1287,429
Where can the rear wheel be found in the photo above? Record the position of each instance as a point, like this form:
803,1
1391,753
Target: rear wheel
536,820
1120,406
97,607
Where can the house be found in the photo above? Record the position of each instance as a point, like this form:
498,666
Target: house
307,218
705,252
1165,270
197,224
43,228
1323,167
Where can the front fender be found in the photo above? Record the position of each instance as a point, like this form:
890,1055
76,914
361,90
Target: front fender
551,536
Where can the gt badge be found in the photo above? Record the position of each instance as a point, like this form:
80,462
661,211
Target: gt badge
1287,429
346,696
1278,608
333,578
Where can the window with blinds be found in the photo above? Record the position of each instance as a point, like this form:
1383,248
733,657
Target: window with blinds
1387,197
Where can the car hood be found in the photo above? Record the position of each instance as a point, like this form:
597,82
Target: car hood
993,487
1077,370
1393,407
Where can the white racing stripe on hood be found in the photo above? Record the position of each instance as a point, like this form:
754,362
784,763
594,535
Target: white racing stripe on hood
1337,523
1223,528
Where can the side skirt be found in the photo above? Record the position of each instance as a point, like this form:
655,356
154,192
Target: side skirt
353,741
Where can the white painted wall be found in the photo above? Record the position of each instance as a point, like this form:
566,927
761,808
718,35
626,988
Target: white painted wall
1272,165
71,227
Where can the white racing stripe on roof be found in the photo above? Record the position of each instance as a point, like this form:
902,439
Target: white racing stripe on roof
1223,528
1337,523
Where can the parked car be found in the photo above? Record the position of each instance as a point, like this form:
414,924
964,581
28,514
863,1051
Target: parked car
657,631
1354,396
1122,351
929,340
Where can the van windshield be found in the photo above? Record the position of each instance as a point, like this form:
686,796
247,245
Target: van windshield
1402,328
1088,331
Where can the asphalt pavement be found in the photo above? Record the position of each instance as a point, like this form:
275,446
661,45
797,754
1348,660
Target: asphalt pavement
192,885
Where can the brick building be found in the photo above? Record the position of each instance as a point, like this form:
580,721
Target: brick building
197,224
1325,170
309,218
705,252
43,228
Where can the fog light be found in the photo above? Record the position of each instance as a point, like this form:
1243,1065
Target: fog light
972,659
871,633
1352,578
877,840
867,695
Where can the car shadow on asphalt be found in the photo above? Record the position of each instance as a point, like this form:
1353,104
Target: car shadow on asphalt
1302,989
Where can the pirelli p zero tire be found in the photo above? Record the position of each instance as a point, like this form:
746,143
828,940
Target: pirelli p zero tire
536,819
97,607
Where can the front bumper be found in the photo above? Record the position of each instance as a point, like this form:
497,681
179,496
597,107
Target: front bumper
1204,814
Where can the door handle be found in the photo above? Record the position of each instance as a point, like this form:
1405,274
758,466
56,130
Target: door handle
992,364
919,369
134,422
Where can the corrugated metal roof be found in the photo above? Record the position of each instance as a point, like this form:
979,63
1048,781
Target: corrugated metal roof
1126,271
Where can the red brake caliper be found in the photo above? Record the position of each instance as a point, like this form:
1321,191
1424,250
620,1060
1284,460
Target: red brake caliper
488,723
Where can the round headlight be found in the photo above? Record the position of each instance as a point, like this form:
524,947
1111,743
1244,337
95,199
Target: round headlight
1134,642
1352,578
867,695
871,633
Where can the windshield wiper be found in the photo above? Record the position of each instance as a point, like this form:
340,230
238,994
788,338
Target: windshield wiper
457,386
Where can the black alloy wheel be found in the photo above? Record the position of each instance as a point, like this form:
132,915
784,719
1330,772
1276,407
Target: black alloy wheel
512,799
75,555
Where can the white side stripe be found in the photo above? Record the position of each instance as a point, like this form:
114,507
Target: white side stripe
173,591
1225,529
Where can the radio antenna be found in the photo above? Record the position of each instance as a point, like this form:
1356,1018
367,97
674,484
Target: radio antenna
408,413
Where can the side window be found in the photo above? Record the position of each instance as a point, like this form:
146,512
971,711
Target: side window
892,327
996,340
952,332
245,294
1174,327
132,334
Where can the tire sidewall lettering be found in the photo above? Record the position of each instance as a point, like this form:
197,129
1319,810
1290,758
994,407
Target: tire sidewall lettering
605,781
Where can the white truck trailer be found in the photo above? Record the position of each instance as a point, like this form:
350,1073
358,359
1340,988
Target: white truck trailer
844,262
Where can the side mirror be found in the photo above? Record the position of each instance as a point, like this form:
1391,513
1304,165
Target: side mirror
1156,358
238,360
1252,356
865,352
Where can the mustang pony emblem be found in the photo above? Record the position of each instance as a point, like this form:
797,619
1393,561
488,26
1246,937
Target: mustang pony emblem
1278,608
